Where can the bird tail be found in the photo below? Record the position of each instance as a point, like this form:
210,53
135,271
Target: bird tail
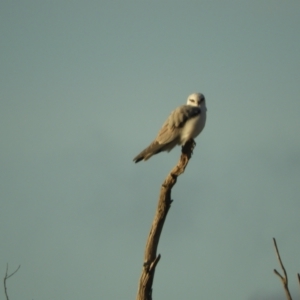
152,149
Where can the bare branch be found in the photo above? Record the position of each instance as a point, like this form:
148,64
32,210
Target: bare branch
164,203
154,263
277,273
284,279
8,276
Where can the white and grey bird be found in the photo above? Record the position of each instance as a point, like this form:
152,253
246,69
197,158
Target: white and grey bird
184,123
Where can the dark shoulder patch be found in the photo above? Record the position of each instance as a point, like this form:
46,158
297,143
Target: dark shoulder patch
186,112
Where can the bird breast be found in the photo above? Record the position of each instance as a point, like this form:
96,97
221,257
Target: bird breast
192,128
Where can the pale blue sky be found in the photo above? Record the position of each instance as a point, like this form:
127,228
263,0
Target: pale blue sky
85,86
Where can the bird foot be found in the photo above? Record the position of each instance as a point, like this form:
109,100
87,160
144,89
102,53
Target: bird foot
193,144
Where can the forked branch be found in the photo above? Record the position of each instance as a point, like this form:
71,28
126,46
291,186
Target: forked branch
164,203
284,277
8,276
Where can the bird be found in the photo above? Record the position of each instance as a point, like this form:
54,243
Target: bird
183,124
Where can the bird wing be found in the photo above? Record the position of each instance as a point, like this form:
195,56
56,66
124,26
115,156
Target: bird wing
169,134
172,127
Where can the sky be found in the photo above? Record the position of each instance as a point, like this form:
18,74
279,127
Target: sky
86,85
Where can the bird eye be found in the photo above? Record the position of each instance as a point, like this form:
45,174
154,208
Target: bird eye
192,100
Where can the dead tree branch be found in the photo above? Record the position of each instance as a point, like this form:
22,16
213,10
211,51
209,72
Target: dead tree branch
284,279
164,203
8,276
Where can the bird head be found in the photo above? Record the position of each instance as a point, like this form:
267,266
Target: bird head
196,99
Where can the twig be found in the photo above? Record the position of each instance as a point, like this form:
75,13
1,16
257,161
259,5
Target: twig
8,276
164,203
284,279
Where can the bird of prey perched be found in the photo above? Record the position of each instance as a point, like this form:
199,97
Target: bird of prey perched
183,124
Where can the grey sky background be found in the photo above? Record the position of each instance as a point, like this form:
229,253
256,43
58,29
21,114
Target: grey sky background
86,85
